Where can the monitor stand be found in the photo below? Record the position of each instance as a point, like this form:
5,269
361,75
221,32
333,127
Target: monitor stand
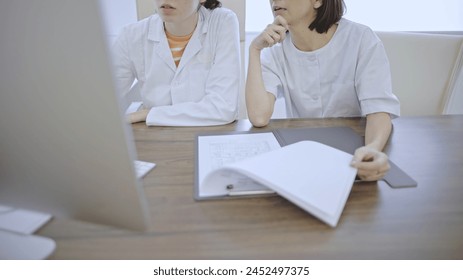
16,234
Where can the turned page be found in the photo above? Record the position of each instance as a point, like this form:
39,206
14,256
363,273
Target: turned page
314,176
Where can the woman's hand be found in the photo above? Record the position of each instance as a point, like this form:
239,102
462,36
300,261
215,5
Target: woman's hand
139,116
273,34
371,164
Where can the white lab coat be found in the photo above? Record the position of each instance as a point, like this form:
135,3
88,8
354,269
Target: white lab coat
348,77
203,90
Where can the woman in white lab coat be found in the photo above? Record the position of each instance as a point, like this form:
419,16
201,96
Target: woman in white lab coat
186,59
323,66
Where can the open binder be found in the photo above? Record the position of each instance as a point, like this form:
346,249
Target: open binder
308,166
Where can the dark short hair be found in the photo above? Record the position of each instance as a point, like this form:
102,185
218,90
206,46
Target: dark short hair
212,4
329,13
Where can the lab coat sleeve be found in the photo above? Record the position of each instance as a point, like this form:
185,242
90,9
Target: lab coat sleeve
124,73
220,102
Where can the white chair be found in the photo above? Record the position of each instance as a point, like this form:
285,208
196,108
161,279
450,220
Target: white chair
145,8
422,68
454,104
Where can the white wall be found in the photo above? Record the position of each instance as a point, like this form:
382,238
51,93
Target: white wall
386,15
117,14
409,15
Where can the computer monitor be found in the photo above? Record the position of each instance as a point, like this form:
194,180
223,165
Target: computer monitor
65,148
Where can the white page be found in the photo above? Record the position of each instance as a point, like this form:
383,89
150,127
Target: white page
316,177
215,151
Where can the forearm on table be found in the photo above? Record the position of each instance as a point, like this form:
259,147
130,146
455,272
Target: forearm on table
378,130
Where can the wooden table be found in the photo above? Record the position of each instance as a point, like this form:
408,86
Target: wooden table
378,222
